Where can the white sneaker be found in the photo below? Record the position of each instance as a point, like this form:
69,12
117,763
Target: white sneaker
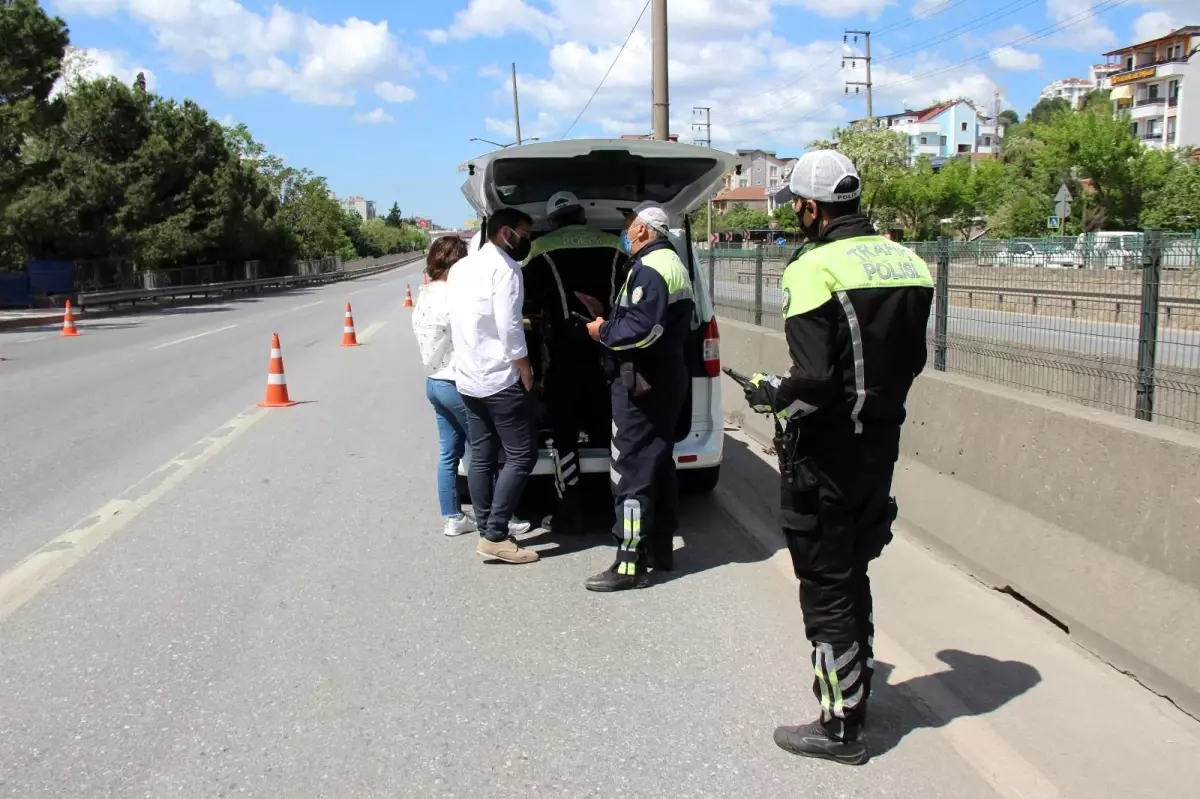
460,525
518,527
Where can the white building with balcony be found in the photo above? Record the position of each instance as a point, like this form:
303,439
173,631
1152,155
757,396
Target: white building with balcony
1157,88
1073,90
948,130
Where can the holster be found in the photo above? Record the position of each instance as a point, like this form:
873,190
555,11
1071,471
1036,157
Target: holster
633,381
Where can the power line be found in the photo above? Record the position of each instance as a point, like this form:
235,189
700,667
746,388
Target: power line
975,24
609,72
806,72
1098,8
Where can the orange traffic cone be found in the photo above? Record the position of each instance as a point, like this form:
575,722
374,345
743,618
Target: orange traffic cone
277,393
349,337
69,322
408,303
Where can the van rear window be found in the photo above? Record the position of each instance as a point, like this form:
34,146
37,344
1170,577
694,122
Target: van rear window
603,175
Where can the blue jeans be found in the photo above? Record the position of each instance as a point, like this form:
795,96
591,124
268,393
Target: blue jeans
452,437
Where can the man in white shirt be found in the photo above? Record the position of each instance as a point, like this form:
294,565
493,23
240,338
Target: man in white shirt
495,376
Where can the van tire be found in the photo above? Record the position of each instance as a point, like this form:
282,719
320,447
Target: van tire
700,481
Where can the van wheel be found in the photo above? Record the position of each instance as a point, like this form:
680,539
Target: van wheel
700,481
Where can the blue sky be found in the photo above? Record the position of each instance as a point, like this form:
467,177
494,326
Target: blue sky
382,98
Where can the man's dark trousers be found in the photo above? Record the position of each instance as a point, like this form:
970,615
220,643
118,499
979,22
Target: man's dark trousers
645,485
834,531
504,420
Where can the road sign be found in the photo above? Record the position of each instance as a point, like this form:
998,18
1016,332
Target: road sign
1052,223
1062,209
780,242
1064,194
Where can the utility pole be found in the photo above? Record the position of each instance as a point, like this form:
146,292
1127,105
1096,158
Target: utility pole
661,116
702,120
854,59
516,105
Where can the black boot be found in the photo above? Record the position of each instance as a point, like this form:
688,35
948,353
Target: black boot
661,558
609,580
812,740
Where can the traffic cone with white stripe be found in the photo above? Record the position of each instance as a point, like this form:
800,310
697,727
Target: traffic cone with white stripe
277,393
408,303
69,322
349,337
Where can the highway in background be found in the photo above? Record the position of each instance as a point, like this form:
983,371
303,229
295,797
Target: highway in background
199,598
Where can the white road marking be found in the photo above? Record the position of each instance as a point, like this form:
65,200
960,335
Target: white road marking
28,340
310,305
371,330
23,582
360,291
193,338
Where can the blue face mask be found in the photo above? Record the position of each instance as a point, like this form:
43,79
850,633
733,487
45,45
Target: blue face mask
626,244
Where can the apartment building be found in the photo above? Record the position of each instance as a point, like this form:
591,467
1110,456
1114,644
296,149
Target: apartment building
364,208
759,169
947,130
1073,90
1148,88
1099,74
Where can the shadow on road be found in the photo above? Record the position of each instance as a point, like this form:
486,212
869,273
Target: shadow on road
974,685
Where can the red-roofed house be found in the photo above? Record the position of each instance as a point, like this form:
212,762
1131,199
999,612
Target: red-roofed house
753,198
946,130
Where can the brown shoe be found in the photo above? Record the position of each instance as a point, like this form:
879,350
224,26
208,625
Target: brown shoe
507,550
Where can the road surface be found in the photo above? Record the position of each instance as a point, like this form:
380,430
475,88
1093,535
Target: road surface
1177,349
234,602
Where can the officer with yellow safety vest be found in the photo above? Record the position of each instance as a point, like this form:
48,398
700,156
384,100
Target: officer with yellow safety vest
569,269
856,307
647,336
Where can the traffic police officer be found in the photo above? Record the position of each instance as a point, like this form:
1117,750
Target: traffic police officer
646,335
572,260
856,308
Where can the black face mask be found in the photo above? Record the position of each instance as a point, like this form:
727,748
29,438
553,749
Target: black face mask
810,232
518,250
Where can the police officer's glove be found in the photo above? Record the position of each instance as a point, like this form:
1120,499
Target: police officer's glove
760,392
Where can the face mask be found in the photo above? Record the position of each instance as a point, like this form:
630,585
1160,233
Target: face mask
811,231
626,245
518,250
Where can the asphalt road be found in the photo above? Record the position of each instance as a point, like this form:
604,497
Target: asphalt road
1177,349
202,599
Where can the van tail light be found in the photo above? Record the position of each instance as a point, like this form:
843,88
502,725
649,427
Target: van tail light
712,348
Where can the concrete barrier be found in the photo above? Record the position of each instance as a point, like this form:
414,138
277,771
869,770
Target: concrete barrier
1092,517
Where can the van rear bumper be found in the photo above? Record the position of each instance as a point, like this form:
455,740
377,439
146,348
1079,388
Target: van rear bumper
695,452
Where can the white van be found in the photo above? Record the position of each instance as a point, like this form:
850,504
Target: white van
606,175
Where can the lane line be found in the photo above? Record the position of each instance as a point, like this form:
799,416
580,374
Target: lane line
360,291
371,330
28,340
41,568
310,305
193,338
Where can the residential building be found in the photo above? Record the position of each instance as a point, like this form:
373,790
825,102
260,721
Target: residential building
1148,88
1073,90
947,130
364,208
759,169
1100,73
755,199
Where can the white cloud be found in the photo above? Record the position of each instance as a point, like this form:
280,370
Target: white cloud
278,50
394,93
1152,25
376,117
1084,29
926,8
92,63
1014,59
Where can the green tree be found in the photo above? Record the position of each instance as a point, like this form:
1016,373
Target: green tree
741,217
32,45
785,215
1097,98
314,220
1174,205
1008,118
916,199
1045,109
394,218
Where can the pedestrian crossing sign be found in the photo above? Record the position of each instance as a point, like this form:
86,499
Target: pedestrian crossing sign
1052,223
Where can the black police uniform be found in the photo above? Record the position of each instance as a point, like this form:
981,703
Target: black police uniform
647,336
569,259
856,310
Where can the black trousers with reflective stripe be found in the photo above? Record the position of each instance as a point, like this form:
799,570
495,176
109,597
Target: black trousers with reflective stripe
645,486
833,532
564,395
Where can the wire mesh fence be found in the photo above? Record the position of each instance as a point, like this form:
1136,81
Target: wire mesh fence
1122,333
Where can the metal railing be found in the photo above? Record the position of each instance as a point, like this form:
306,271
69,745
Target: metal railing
1124,338
327,270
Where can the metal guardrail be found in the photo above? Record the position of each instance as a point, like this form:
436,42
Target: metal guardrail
207,289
